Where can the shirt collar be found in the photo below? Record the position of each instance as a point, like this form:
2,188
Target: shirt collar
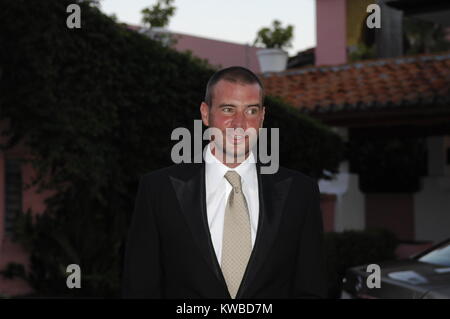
215,170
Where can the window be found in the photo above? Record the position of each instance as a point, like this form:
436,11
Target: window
439,256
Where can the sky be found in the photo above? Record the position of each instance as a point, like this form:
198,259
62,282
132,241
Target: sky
229,20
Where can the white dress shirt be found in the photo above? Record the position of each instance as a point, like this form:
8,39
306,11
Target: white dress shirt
218,189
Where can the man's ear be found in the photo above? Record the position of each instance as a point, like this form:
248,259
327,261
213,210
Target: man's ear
204,111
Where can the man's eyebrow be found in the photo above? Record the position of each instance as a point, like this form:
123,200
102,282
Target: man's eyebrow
232,105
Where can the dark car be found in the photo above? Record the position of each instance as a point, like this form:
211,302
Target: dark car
424,276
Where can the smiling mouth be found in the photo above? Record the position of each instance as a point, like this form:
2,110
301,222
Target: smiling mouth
237,139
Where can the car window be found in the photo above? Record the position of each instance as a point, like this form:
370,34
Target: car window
439,256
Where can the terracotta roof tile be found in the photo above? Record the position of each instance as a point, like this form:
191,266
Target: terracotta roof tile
392,82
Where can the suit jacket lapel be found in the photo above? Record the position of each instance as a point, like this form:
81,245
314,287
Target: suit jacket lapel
272,197
191,195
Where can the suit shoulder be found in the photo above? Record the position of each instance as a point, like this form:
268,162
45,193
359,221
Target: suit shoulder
178,170
300,177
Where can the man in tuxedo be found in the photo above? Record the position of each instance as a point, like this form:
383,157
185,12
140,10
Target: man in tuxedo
221,229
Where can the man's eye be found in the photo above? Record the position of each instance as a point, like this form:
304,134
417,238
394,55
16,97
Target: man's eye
253,111
226,109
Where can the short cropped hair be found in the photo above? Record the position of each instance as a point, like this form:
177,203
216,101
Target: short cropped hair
234,74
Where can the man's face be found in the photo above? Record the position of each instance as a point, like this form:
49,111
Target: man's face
238,108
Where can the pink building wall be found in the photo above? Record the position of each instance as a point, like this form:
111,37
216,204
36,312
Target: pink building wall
331,48
9,250
219,53
391,211
328,207
12,251
2,200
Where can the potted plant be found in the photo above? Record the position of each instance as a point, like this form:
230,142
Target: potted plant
273,58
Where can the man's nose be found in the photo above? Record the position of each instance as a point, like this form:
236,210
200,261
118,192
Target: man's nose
239,120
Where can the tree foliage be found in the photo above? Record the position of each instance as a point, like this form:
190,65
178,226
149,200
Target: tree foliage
95,107
159,14
424,36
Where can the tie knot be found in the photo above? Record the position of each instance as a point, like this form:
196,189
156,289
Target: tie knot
234,179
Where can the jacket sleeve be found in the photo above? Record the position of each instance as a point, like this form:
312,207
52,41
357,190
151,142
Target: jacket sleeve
142,268
310,278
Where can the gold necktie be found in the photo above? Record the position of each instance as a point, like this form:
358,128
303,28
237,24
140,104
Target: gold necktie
237,241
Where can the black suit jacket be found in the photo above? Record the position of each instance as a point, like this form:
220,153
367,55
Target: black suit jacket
169,252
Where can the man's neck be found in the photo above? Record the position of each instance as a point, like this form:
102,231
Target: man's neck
221,156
